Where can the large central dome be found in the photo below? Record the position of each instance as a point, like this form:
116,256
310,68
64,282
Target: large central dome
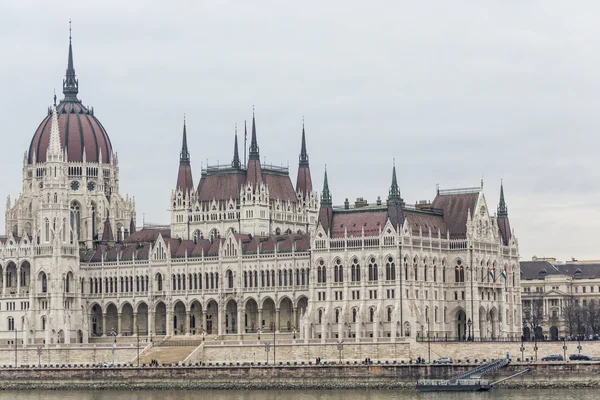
79,129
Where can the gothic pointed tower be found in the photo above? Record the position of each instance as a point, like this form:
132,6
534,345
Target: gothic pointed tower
304,180
185,182
326,211
254,175
503,222
394,202
235,163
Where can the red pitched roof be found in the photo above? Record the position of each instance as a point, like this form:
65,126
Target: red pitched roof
184,178
221,186
504,228
425,221
456,207
280,187
353,222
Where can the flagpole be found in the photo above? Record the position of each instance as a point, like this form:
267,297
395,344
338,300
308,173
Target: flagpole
245,140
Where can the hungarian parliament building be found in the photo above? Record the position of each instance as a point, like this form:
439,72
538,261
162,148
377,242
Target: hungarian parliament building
246,251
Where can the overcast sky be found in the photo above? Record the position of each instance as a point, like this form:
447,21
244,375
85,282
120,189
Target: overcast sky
453,90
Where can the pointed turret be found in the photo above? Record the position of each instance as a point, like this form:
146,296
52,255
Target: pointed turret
394,203
502,218
326,195
55,152
70,83
254,173
304,180
107,233
236,155
131,226
394,194
184,176
326,210
502,210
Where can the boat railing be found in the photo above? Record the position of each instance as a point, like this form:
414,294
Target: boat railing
481,370
447,382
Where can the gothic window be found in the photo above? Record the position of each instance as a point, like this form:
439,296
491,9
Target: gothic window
434,272
67,283
459,272
337,315
217,279
354,315
371,314
159,282
230,279
416,270
291,275
268,279
272,277
280,278
11,324
355,270
44,283
320,316
297,276
75,221
389,314
212,280
425,270
245,279
390,269
262,278
303,277
285,278
338,271
373,273
174,282
47,232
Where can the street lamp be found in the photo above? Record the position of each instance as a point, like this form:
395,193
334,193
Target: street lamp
579,344
267,349
565,347
16,347
429,340
469,323
114,335
274,343
340,347
137,331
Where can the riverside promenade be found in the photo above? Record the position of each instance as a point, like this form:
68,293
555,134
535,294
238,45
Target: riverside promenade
328,376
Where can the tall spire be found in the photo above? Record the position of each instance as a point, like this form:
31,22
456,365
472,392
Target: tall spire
70,83
326,195
502,210
303,153
254,155
236,156
55,150
184,156
394,194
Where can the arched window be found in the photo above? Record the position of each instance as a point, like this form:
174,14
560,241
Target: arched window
11,324
321,272
159,282
389,314
459,272
354,315
337,315
416,268
425,270
355,271
371,314
44,283
338,271
434,271
75,221
390,269
47,231
373,273
230,279
67,283
245,279
262,278
320,315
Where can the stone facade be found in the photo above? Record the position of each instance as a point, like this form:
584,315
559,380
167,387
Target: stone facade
246,253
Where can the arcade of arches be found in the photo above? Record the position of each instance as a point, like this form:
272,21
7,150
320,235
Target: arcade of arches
195,319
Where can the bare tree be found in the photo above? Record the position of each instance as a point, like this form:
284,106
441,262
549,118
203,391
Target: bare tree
533,316
592,316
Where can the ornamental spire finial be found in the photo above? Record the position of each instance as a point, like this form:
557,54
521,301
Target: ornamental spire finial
184,156
303,152
70,83
326,195
502,209
254,154
236,156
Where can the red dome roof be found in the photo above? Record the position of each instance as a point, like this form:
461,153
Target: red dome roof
79,130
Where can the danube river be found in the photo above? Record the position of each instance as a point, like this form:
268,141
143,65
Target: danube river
525,394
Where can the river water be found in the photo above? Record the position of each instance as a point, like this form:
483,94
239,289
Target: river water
525,394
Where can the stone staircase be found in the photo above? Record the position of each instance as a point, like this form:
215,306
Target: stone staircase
166,354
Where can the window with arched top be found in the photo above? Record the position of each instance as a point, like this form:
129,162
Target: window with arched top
354,315
459,272
338,271
337,315
389,314
355,270
75,216
371,314
390,269
373,273
230,279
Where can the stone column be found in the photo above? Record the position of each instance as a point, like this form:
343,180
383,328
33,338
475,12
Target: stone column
103,324
220,321
295,321
240,324
18,279
169,322
135,326
187,323
277,327
4,282
119,324
151,322
259,322
357,330
204,321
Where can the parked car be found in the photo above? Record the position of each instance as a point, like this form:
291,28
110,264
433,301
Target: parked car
579,357
553,357
443,360
103,364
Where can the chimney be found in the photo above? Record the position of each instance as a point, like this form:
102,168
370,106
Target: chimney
360,202
378,200
346,204
423,205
